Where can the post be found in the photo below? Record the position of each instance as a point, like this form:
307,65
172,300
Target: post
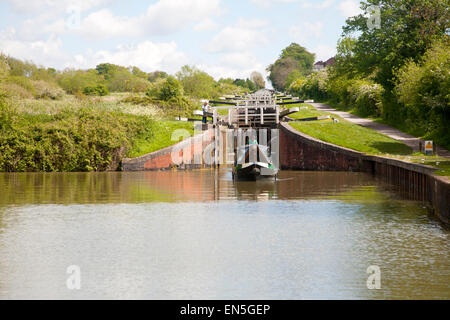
215,117
262,115
278,114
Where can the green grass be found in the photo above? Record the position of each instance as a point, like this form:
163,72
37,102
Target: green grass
158,137
440,137
73,134
442,164
348,135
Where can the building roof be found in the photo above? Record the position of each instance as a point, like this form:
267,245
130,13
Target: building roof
329,62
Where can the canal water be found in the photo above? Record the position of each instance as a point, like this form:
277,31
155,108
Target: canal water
199,235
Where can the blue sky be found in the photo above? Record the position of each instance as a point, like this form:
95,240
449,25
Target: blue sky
225,38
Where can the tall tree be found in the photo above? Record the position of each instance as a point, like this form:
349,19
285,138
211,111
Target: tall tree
196,83
408,28
258,80
293,57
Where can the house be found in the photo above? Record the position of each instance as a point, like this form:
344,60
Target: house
318,66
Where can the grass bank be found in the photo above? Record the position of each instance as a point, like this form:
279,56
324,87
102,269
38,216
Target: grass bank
438,136
78,135
352,136
347,134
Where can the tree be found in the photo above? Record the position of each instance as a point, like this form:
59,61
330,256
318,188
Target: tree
170,88
293,57
345,57
155,75
250,85
293,76
107,70
73,81
408,28
139,73
258,80
280,70
424,86
196,83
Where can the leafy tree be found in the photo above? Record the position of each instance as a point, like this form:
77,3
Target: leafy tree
241,83
107,70
258,80
227,81
155,75
166,89
135,71
424,86
408,28
280,71
294,75
250,85
293,57
345,58
73,81
197,83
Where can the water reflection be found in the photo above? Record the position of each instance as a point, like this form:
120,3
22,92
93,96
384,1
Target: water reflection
199,235
201,185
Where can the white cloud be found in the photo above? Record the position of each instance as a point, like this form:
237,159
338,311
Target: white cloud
306,30
268,3
206,24
303,3
324,52
350,8
46,52
219,71
234,65
161,18
146,55
325,4
239,60
55,6
242,36
104,23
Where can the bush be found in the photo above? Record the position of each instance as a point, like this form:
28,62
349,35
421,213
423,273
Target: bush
15,91
87,139
75,81
177,106
315,86
366,96
424,88
4,68
197,83
338,91
99,90
23,82
46,90
166,89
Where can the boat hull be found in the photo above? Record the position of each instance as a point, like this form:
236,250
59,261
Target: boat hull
253,172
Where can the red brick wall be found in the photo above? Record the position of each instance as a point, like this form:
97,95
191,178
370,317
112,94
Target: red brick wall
302,152
162,159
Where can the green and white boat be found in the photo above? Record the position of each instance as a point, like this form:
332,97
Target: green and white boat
253,163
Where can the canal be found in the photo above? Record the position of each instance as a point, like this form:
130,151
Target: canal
199,235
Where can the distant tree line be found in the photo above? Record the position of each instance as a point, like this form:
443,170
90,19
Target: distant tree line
24,79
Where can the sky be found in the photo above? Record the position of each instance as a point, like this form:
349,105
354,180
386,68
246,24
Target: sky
226,38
